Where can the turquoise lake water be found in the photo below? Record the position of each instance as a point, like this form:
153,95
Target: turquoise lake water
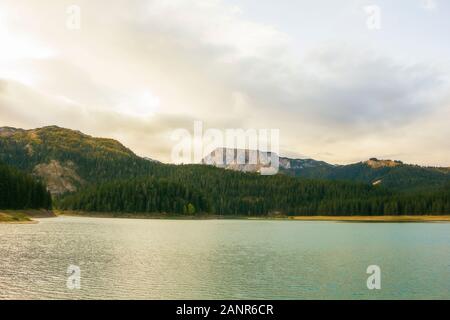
223,259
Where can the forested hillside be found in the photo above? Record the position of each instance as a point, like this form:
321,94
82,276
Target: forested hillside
21,191
390,174
395,175
140,195
96,174
206,190
68,159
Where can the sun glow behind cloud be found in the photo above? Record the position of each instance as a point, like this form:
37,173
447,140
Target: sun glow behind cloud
141,69
16,47
139,104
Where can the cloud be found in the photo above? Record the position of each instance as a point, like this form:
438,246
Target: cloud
139,69
429,5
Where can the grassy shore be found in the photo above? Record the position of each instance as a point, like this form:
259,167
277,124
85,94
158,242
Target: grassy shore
294,218
26,216
373,218
23,216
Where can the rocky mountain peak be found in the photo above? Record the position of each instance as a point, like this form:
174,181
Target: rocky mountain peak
375,163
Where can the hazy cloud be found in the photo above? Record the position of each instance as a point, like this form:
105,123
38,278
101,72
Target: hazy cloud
136,70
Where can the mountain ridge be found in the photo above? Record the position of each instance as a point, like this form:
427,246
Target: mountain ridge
391,173
69,159
66,159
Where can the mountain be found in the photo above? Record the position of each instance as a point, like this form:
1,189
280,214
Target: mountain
389,173
253,160
96,174
68,159
206,190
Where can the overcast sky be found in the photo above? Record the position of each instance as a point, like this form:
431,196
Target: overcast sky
339,89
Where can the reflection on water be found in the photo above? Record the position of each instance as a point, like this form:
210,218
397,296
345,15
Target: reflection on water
215,259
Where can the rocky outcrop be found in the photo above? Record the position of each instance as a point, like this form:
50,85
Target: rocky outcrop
374,163
60,178
253,160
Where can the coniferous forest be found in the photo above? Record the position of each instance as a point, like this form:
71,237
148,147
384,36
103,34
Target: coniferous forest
194,189
22,191
108,177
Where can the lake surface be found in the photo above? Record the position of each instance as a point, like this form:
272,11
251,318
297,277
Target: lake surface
223,259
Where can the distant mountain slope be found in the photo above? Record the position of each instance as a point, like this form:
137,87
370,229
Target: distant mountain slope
102,174
199,189
68,159
391,174
253,161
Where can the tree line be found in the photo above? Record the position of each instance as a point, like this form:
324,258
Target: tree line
190,189
138,195
116,180
22,191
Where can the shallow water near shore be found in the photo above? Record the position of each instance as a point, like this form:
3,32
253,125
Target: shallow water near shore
223,259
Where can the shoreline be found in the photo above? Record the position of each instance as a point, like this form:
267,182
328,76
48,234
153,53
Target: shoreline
374,219
26,217
371,219
23,216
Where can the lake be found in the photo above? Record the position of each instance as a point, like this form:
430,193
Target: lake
223,259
